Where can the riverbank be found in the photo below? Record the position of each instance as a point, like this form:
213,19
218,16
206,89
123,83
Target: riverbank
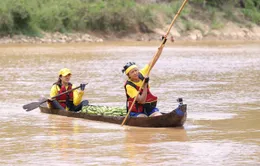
141,20
230,32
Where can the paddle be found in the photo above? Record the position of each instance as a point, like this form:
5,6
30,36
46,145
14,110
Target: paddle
33,105
155,58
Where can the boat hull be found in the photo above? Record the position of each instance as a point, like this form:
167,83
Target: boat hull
175,118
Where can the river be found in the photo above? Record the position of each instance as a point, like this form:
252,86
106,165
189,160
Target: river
219,83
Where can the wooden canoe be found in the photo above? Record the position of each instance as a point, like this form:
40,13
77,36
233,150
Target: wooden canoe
175,118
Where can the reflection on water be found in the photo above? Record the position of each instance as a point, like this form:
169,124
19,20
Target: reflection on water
150,135
219,84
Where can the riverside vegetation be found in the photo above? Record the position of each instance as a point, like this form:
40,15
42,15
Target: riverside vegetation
94,20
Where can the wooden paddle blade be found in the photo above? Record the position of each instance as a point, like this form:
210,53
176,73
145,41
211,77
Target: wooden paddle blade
32,106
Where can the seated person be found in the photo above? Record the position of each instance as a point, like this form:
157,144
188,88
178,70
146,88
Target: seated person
145,104
69,101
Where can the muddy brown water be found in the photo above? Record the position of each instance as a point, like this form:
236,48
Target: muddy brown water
220,84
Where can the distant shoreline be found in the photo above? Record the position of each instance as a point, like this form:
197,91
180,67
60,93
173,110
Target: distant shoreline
78,21
225,35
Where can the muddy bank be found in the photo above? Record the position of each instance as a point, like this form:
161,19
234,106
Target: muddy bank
51,38
231,31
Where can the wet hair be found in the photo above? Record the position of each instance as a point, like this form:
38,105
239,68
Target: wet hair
128,64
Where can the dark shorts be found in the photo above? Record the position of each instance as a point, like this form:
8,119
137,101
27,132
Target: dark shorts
135,114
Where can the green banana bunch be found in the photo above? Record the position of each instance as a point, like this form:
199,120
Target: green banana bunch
104,110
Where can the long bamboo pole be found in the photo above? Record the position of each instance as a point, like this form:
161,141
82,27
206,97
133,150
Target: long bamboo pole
159,51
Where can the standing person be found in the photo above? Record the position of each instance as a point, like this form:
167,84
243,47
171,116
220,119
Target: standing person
145,104
70,101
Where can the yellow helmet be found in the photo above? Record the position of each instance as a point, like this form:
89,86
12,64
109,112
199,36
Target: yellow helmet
64,72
